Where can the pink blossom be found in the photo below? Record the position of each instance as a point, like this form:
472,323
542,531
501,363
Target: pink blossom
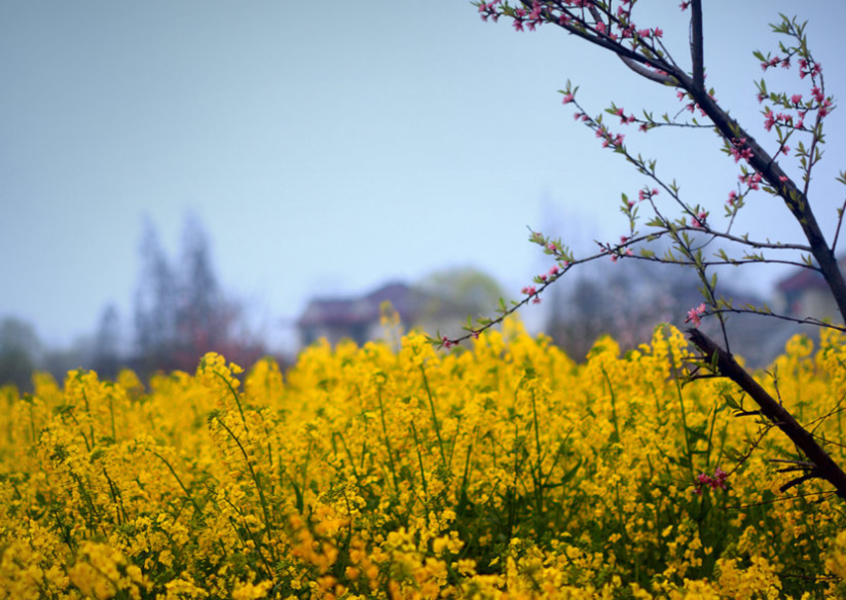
694,315
447,343
732,198
536,11
551,247
657,32
825,108
783,178
796,98
568,98
751,179
739,152
554,271
719,480
536,300
770,119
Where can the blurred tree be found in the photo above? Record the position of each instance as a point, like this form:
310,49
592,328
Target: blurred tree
626,303
466,289
155,305
20,352
107,351
182,313
450,295
80,354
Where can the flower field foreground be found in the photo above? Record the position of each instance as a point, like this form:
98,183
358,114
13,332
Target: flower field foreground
505,471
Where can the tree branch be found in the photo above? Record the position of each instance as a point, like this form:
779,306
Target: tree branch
696,46
773,410
795,199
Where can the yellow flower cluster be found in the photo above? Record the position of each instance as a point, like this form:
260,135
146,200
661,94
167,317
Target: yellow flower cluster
505,471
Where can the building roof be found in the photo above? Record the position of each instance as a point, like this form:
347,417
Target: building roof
807,279
408,302
802,279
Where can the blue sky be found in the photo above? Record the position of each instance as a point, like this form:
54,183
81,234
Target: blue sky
329,147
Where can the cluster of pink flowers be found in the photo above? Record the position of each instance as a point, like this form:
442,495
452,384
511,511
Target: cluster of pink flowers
771,118
544,277
646,193
448,343
621,254
623,118
776,61
752,180
805,68
699,220
694,315
608,138
717,481
489,10
825,103
691,106
616,252
532,292
738,150
617,27
732,198
531,18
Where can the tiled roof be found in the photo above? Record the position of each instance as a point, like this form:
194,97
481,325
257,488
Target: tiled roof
409,303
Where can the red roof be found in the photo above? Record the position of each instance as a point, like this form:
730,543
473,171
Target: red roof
803,279
347,311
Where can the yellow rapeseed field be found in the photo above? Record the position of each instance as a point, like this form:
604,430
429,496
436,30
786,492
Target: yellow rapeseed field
500,471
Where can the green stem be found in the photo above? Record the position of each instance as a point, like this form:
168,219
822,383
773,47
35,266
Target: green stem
387,439
264,507
434,415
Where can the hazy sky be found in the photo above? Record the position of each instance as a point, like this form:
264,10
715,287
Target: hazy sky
330,146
